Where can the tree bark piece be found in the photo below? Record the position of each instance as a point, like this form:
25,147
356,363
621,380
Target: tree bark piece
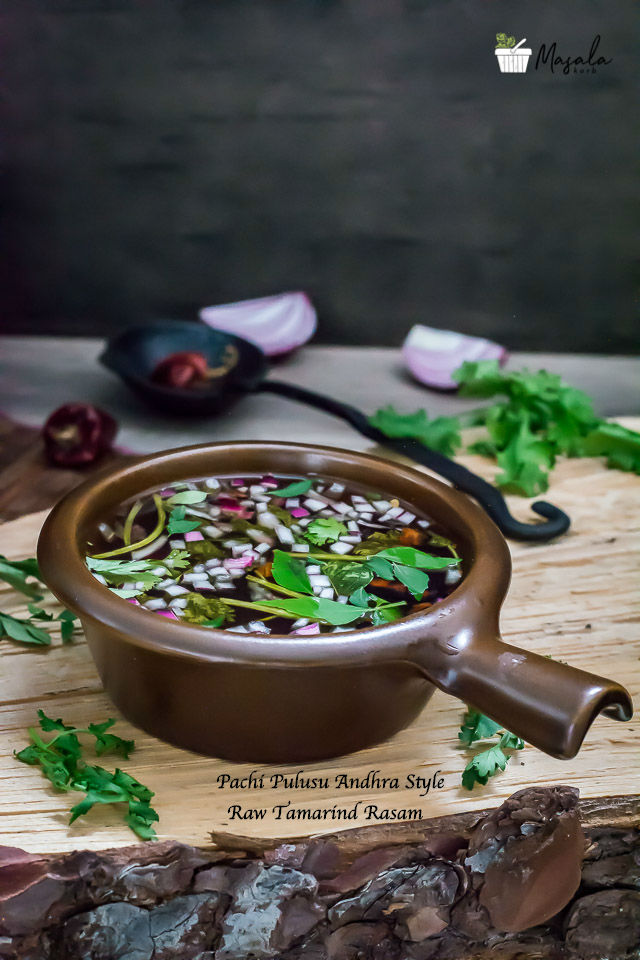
541,877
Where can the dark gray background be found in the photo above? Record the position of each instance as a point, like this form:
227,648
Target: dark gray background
163,155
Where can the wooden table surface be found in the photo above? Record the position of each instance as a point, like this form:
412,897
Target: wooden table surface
575,599
38,374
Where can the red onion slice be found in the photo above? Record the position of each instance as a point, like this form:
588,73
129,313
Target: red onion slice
433,355
276,324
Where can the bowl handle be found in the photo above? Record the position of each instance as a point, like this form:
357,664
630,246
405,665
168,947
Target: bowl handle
548,704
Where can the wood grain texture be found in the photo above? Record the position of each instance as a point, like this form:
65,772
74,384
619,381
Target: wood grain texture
576,599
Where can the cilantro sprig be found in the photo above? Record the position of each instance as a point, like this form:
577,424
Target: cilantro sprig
486,763
62,762
535,418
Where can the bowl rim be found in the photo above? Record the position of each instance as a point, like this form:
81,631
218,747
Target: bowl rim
63,567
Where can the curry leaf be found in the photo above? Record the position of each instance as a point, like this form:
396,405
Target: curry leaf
415,580
295,489
187,497
178,524
411,557
15,573
346,578
289,572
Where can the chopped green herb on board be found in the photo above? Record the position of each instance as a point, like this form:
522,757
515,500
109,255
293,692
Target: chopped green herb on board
485,763
61,761
537,418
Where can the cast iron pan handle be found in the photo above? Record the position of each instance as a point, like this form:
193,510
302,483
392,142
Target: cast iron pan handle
556,520
549,704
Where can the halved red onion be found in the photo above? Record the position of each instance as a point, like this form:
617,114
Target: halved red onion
276,324
433,355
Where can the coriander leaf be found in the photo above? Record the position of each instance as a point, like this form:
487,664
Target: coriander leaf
125,592
67,625
120,571
324,530
176,559
347,578
410,557
415,580
203,550
295,489
511,742
109,742
476,726
484,765
441,433
23,631
290,573
376,542
618,444
525,462
178,524
381,567
15,573
201,609
61,762
48,723
187,497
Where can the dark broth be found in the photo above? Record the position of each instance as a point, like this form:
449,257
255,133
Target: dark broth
274,555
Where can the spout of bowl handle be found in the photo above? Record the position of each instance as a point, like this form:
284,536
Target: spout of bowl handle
548,704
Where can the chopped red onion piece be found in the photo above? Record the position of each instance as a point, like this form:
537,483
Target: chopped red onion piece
307,631
169,614
298,512
433,355
192,535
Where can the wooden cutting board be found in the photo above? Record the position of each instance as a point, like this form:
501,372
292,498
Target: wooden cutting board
576,599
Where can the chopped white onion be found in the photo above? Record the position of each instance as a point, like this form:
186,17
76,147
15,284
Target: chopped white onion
212,532
341,548
155,604
284,535
319,580
314,505
175,590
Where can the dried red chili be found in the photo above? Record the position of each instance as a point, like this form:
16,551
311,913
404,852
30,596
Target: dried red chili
77,434
186,368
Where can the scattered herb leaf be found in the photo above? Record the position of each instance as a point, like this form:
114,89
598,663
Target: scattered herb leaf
15,573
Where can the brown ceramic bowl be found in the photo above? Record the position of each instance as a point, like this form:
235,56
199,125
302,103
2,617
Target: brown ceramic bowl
292,699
